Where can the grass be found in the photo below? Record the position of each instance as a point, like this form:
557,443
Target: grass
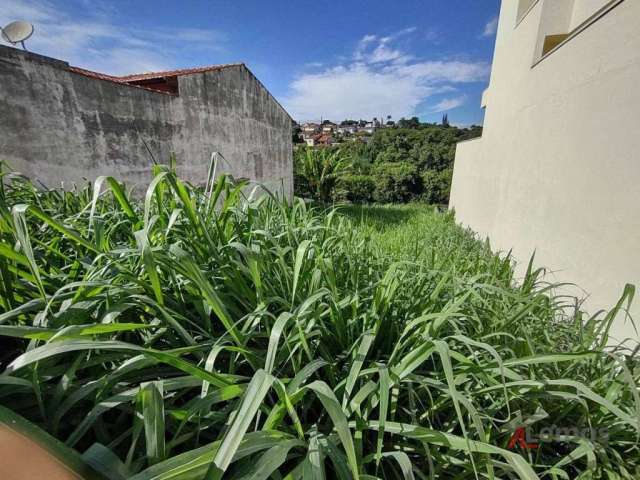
411,231
199,334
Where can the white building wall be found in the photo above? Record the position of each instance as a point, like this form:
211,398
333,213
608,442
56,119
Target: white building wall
557,170
583,9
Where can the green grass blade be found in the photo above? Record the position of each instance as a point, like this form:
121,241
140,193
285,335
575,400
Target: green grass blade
385,384
253,397
330,403
152,407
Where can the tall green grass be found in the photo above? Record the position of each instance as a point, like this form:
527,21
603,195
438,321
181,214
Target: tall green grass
218,333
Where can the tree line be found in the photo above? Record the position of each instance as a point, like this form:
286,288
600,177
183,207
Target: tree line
394,165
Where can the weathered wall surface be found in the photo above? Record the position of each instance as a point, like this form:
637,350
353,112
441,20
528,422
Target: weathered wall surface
59,126
557,169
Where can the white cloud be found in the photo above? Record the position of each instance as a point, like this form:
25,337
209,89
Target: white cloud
94,41
380,79
449,104
490,28
382,53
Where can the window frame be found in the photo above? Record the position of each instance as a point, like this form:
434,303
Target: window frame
526,13
580,28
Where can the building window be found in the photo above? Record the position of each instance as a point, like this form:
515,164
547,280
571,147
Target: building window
524,7
552,41
562,21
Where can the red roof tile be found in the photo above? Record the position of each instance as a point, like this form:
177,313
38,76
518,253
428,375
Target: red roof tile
175,73
130,79
89,73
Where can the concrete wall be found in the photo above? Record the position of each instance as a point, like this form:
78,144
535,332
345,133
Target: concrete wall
557,169
59,126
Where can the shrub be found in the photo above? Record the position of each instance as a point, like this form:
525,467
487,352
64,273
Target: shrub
199,334
301,187
317,170
436,186
354,188
396,182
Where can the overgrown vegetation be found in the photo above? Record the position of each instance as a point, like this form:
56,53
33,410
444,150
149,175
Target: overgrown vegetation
200,334
396,165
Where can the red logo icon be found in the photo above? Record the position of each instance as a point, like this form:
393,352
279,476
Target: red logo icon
519,437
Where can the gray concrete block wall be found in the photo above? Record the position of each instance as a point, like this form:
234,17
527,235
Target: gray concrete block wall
61,127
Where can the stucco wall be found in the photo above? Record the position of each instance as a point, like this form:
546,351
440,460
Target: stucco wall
583,9
557,169
59,126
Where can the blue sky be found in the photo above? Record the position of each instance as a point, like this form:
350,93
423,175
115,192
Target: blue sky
330,59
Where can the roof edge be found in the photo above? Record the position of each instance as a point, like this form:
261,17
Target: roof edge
110,78
266,90
175,73
127,79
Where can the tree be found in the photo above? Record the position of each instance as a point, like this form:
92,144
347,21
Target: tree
354,188
413,122
396,182
296,132
318,169
429,149
436,186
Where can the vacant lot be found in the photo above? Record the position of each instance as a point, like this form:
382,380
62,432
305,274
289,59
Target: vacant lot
198,335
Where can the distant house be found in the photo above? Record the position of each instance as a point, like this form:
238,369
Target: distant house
347,130
319,139
310,129
328,127
325,139
370,127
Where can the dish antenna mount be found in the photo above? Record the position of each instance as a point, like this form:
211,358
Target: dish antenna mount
17,32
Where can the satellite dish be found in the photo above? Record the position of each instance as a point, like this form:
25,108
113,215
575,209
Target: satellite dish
17,32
